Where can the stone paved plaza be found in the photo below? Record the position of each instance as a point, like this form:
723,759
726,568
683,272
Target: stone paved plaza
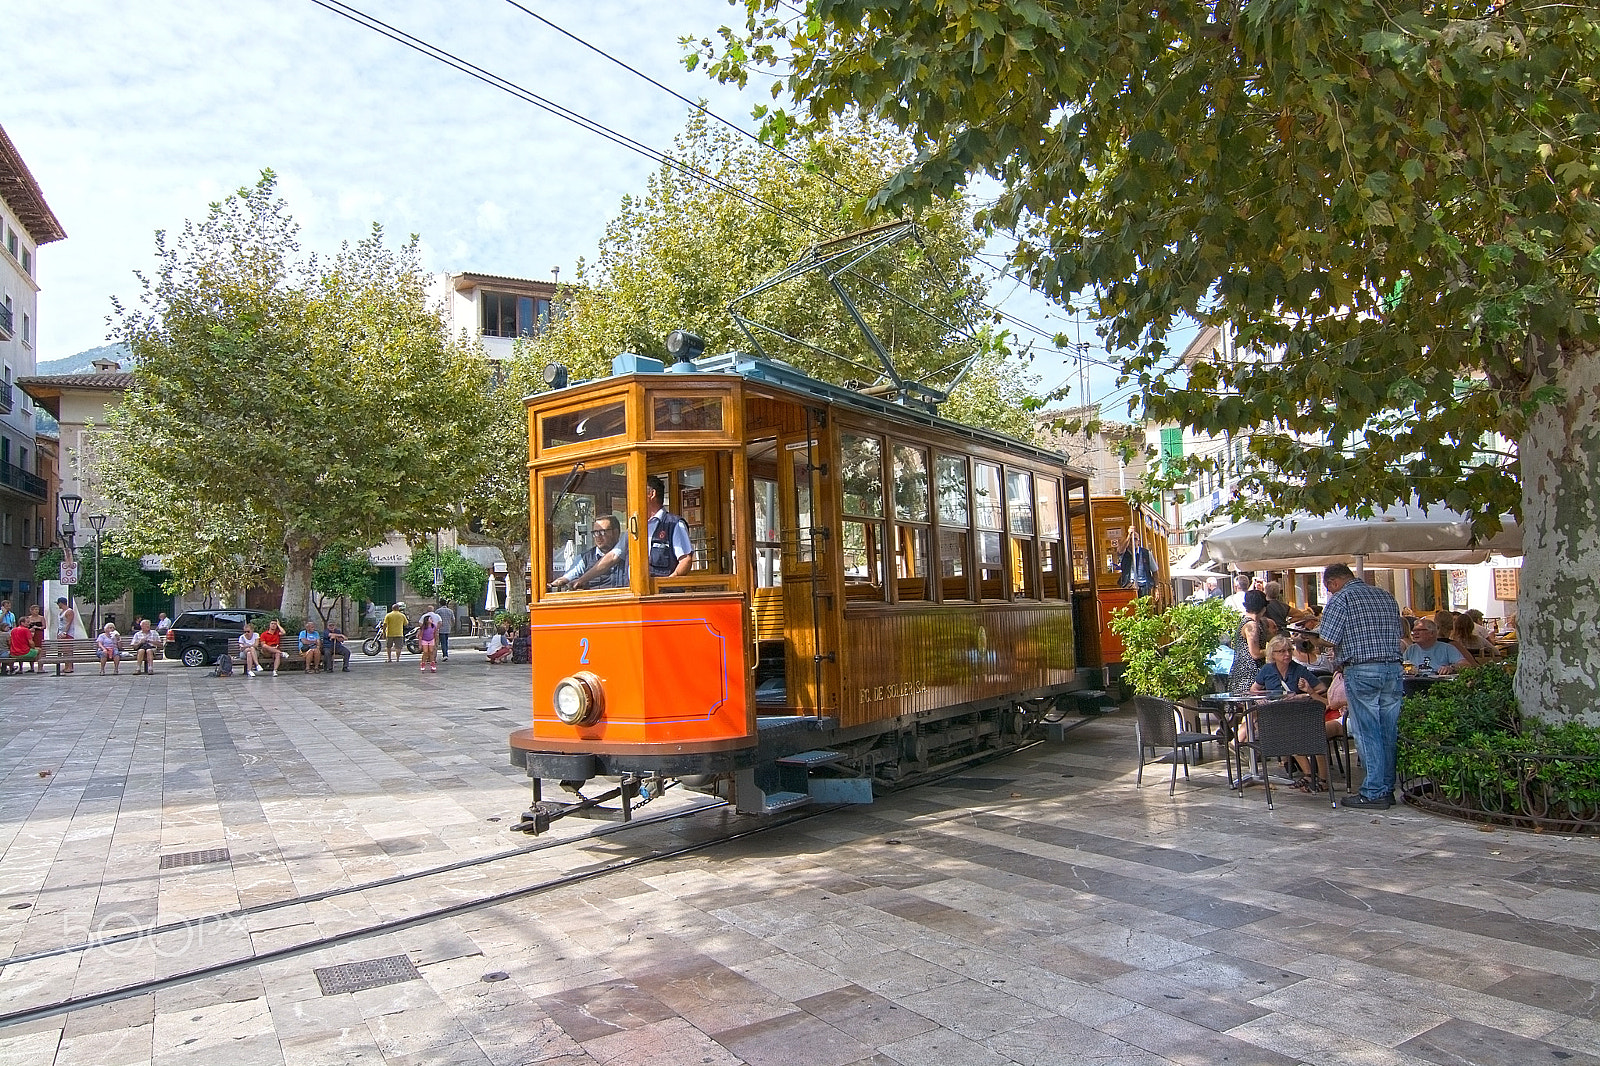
1035,910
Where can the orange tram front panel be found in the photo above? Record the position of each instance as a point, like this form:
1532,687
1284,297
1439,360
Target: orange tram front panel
673,670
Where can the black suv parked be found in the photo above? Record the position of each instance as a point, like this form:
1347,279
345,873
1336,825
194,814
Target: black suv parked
200,637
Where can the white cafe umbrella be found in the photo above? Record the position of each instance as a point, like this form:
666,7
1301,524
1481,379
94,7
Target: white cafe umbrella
1402,536
491,601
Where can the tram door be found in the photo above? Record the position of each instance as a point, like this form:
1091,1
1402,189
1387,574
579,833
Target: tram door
811,664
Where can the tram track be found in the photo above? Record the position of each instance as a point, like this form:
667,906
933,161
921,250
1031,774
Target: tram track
256,958
253,957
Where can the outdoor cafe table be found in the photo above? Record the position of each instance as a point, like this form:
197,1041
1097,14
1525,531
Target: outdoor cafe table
1233,709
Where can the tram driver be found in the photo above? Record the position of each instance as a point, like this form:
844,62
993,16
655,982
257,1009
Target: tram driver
604,565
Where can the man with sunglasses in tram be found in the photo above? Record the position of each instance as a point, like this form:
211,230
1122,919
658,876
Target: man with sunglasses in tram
604,565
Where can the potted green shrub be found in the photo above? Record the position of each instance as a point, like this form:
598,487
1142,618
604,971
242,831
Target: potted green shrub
1168,652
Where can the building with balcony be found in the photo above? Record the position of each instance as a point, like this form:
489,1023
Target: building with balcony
26,499
492,309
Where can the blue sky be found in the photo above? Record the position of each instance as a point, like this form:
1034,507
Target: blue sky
133,117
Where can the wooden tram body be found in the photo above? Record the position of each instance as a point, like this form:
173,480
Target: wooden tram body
1097,559
874,589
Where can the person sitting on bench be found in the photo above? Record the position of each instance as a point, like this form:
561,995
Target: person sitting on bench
146,643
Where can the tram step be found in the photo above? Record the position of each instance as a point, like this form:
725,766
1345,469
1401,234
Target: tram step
1094,702
821,757
773,802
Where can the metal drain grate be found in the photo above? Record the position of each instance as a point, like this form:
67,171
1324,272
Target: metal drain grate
180,859
359,976
976,784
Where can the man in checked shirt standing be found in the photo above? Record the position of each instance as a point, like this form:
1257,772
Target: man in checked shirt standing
1364,623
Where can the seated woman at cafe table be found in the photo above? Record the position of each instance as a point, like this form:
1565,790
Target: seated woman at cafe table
1428,652
1283,675
1469,642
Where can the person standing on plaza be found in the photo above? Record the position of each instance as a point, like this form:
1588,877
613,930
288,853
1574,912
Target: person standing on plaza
8,617
1250,643
394,631
447,626
36,624
1363,623
66,629
428,641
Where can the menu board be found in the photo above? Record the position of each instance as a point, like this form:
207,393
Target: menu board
1505,583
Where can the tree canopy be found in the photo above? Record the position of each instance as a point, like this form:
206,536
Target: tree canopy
678,255
1398,205
282,403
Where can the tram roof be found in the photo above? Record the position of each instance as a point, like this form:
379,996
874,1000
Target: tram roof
796,380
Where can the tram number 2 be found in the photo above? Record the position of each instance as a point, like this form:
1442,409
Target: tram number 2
583,654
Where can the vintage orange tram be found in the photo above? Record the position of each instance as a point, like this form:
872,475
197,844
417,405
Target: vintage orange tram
873,591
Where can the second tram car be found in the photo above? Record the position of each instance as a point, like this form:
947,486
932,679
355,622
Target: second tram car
1106,553
874,591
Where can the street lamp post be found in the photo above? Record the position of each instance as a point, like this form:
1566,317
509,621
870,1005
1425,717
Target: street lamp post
97,522
69,503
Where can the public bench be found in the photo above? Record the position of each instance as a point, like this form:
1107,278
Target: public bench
71,652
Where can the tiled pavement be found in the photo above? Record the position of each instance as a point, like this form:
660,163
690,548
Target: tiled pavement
1035,910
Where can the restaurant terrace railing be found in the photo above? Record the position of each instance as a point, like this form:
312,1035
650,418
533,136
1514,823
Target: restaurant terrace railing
1548,792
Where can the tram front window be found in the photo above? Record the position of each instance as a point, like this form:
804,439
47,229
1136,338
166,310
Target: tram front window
586,513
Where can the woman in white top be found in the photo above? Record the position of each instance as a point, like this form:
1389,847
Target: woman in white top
249,641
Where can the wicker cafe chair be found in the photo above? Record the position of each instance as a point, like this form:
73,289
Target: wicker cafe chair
1287,727
1160,726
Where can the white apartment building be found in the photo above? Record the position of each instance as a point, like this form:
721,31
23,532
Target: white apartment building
493,309
26,499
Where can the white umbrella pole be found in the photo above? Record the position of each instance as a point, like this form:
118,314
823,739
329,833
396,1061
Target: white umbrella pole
1361,567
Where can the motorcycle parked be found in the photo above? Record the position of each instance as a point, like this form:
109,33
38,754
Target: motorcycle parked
373,645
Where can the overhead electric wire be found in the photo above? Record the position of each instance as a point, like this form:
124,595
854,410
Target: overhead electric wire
432,51
735,127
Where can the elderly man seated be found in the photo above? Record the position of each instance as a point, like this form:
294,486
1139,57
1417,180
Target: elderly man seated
1428,652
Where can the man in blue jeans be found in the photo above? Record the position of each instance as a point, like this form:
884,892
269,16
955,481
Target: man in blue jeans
1364,623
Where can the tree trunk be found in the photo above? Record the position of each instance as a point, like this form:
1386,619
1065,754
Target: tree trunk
298,553
516,587
1558,603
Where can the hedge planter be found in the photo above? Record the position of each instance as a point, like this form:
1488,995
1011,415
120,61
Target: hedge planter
1465,751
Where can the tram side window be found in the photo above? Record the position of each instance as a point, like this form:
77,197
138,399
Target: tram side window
580,508
1054,583
769,550
1019,513
911,514
1113,538
955,533
861,528
989,516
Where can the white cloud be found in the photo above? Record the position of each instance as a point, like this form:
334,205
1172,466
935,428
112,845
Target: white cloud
491,217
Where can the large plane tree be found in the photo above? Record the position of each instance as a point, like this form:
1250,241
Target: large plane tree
283,402
1399,202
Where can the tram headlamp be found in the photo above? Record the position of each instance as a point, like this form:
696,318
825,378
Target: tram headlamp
579,699
685,346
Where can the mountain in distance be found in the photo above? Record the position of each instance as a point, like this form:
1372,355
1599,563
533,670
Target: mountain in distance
83,362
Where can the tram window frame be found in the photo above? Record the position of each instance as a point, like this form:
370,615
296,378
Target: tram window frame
1022,530
861,524
697,415
989,533
703,514
586,508
612,410
1055,579
765,502
953,527
913,519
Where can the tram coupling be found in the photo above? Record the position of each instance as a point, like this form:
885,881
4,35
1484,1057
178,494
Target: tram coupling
633,791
